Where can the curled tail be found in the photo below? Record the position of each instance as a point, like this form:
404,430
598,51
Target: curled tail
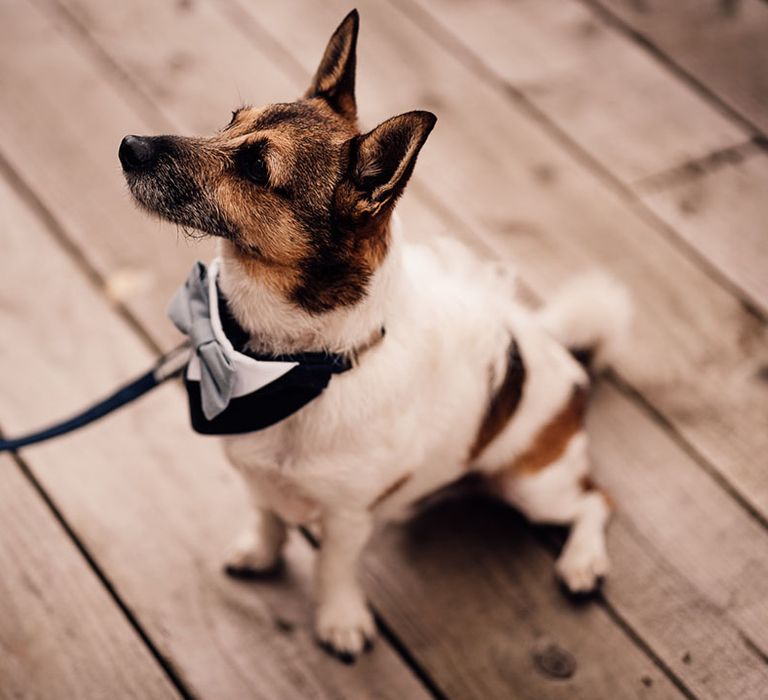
590,316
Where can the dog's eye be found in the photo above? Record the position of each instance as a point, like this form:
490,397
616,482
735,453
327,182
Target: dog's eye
255,170
251,165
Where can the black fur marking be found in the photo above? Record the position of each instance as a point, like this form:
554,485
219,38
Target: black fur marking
503,402
584,356
302,113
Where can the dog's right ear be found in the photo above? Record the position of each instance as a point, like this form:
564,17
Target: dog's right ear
335,77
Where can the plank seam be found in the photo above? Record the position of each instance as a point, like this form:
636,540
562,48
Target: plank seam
753,647
622,624
706,466
697,168
165,664
244,23
613,20
552,544
70,19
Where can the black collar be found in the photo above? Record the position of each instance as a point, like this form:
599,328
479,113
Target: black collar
335,362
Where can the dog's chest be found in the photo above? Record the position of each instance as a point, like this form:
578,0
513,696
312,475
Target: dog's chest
282,471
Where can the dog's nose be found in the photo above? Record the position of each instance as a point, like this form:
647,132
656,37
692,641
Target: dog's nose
137,153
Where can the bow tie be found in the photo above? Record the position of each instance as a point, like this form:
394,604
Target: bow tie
191,314
232,389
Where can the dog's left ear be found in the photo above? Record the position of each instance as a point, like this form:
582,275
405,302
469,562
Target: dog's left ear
335,77
385,158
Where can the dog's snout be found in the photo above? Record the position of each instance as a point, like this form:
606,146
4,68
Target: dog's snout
137,153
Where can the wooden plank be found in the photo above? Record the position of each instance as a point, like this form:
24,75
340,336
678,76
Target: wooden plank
591,639
722,214
455,658
61,635
598,87
154,504
720,43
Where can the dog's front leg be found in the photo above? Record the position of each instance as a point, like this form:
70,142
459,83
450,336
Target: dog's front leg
258,548
343,624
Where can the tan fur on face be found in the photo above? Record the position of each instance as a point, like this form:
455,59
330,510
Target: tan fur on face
552,439
268,227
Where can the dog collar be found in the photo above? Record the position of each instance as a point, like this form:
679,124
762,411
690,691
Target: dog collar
232,389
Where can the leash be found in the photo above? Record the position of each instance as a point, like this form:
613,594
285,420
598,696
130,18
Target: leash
167,367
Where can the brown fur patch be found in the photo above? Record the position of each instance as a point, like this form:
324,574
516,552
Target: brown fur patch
503,403
589,486
390,490
278,279
552,439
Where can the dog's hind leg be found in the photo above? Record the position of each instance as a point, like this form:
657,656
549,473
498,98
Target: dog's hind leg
560,492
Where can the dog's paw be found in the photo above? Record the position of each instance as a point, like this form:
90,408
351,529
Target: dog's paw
345,628
582,565
251,556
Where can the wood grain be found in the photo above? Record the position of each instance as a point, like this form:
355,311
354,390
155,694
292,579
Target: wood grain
61,636
155,504
722,213
720,43
601,89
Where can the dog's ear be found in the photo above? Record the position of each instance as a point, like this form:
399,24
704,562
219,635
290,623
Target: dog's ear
385,158
335,77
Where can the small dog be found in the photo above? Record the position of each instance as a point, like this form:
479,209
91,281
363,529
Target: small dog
450,375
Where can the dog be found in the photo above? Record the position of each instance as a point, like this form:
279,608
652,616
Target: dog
450,374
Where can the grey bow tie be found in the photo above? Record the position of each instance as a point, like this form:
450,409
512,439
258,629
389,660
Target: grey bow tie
190,312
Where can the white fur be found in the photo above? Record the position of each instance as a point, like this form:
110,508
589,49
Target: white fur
412,406
591,311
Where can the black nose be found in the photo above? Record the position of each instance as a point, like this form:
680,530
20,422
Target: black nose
137,153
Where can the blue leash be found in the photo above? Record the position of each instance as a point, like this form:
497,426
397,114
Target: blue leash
167,367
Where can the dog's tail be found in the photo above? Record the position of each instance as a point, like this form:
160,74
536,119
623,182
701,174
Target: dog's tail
590,316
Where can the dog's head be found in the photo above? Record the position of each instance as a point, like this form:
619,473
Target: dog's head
302,196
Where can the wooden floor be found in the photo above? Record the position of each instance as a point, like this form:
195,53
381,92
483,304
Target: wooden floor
572,134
